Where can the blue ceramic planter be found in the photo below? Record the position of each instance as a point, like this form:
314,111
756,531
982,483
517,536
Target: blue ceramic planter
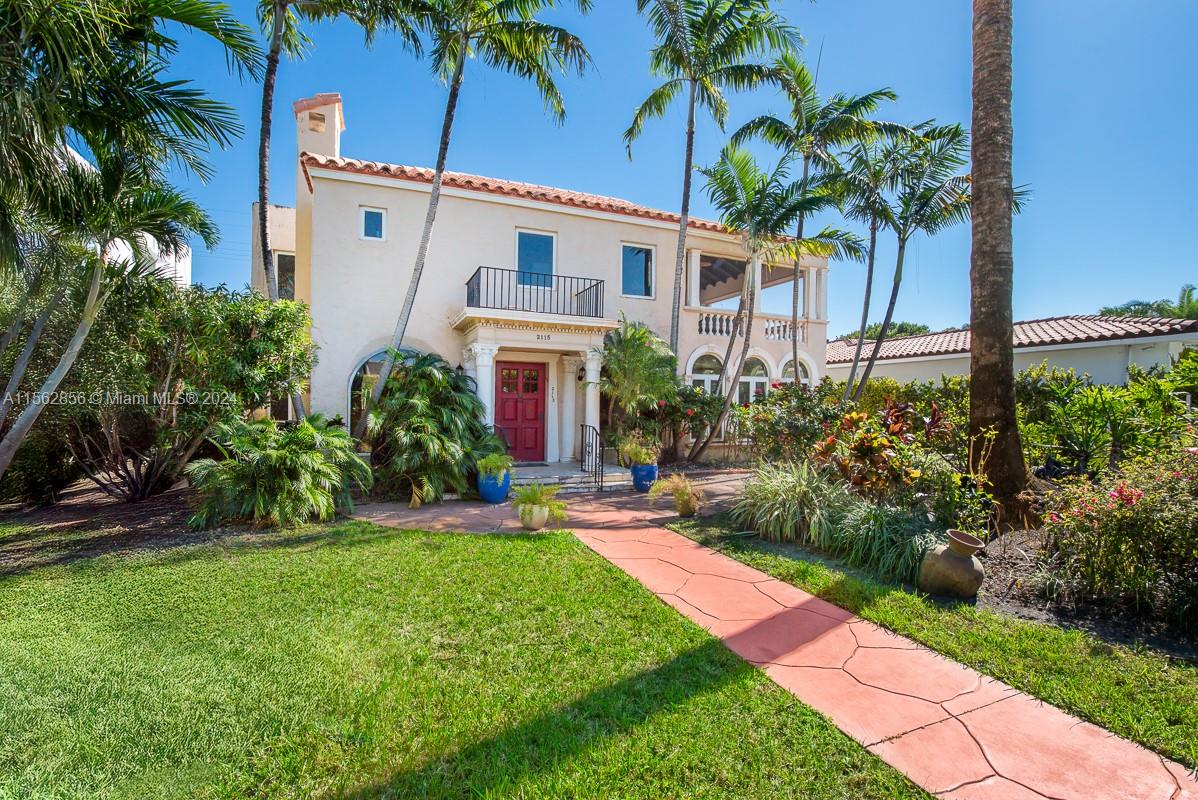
643,476
493,489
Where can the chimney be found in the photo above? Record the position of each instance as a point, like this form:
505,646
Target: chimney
320,121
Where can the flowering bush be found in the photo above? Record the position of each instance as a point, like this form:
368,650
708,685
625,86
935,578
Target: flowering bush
786,423
1132,537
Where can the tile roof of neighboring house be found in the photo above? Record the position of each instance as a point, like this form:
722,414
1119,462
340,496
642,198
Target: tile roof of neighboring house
525,191
1033,333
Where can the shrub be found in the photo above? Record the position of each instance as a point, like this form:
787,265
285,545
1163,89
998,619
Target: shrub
426,432
639,372
687,497
278,475
42,468
635,450
888,540
1132,536
793,502
536,494
790,420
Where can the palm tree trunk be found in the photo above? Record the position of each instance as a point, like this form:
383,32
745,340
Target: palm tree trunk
697,446
749,297
20,429
683,220
22,362
877,348
869,286
401,325
795,299
992,266
264,133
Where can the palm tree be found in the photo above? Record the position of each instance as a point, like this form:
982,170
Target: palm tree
507,35
995,448
639,369
116,210
704,47
280,20
930,196
816,127
866,172
93,72
761,207
1186,306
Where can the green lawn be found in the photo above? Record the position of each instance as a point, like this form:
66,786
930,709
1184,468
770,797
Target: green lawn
357,661
1137,693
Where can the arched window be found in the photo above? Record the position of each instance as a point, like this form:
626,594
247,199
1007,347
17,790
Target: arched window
705,374
788,373
362,385
754,382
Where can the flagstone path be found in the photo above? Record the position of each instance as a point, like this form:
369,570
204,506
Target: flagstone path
951,730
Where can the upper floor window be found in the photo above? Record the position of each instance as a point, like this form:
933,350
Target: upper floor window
373,223
636,270
534,259
285,265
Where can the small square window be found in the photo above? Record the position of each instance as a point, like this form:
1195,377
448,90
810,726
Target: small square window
637,270
373,220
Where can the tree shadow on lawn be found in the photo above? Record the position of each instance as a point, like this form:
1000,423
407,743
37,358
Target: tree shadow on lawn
540,745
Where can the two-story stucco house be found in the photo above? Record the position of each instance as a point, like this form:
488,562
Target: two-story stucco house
521,284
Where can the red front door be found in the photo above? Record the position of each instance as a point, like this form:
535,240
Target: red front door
520,408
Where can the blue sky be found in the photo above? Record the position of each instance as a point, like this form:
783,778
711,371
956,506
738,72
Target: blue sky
1103,117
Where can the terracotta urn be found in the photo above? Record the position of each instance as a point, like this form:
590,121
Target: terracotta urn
533,518
952,569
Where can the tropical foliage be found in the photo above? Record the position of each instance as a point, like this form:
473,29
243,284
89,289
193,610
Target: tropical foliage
426,433
704,48
539,495
278,475
1185,307
639,371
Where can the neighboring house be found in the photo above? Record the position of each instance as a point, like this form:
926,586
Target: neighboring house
521,284
1102,347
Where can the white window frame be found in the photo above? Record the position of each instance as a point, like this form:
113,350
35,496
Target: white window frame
516,256
276,254
652,248
809,380
362,224
753,380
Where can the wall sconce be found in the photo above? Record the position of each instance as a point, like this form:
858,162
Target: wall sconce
582,374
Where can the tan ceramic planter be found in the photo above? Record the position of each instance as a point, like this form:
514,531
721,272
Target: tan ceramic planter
533,518
952,569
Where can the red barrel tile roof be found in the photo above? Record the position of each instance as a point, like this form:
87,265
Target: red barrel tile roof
1033,333
525,191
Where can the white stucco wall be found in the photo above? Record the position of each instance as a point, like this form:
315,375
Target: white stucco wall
1105,363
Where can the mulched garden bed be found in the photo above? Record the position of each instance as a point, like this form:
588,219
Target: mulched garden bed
1014,586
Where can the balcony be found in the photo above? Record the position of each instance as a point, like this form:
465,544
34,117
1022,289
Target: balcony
773,327
534,293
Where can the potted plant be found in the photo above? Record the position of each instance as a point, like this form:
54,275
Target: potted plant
642,462
536,504
687,497
494,477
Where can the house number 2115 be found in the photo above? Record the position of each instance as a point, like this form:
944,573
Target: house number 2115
544,337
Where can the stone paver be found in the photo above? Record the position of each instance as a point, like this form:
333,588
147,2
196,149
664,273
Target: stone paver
953,731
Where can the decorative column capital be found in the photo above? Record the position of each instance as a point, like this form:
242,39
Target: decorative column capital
480,353
594,361
572,362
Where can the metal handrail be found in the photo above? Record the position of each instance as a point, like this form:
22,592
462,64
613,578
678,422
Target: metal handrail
537,292
594,453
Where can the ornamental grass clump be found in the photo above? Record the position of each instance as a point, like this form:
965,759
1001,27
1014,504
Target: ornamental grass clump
1130,538
276,475
794,503
688,498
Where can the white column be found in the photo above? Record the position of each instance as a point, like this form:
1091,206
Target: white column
693,272
569,396
594,362
809,294
823,294
552,433
484,361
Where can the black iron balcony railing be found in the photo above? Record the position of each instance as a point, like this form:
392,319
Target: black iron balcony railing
510,290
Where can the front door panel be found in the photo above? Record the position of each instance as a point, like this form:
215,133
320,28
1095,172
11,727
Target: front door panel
520,408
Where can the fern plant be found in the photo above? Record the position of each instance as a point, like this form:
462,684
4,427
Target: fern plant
427,431
278,475
536,494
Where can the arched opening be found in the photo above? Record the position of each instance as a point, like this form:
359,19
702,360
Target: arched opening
362,385
705,374
754,381
788,373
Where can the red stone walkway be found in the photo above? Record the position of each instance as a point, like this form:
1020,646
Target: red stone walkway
953,731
